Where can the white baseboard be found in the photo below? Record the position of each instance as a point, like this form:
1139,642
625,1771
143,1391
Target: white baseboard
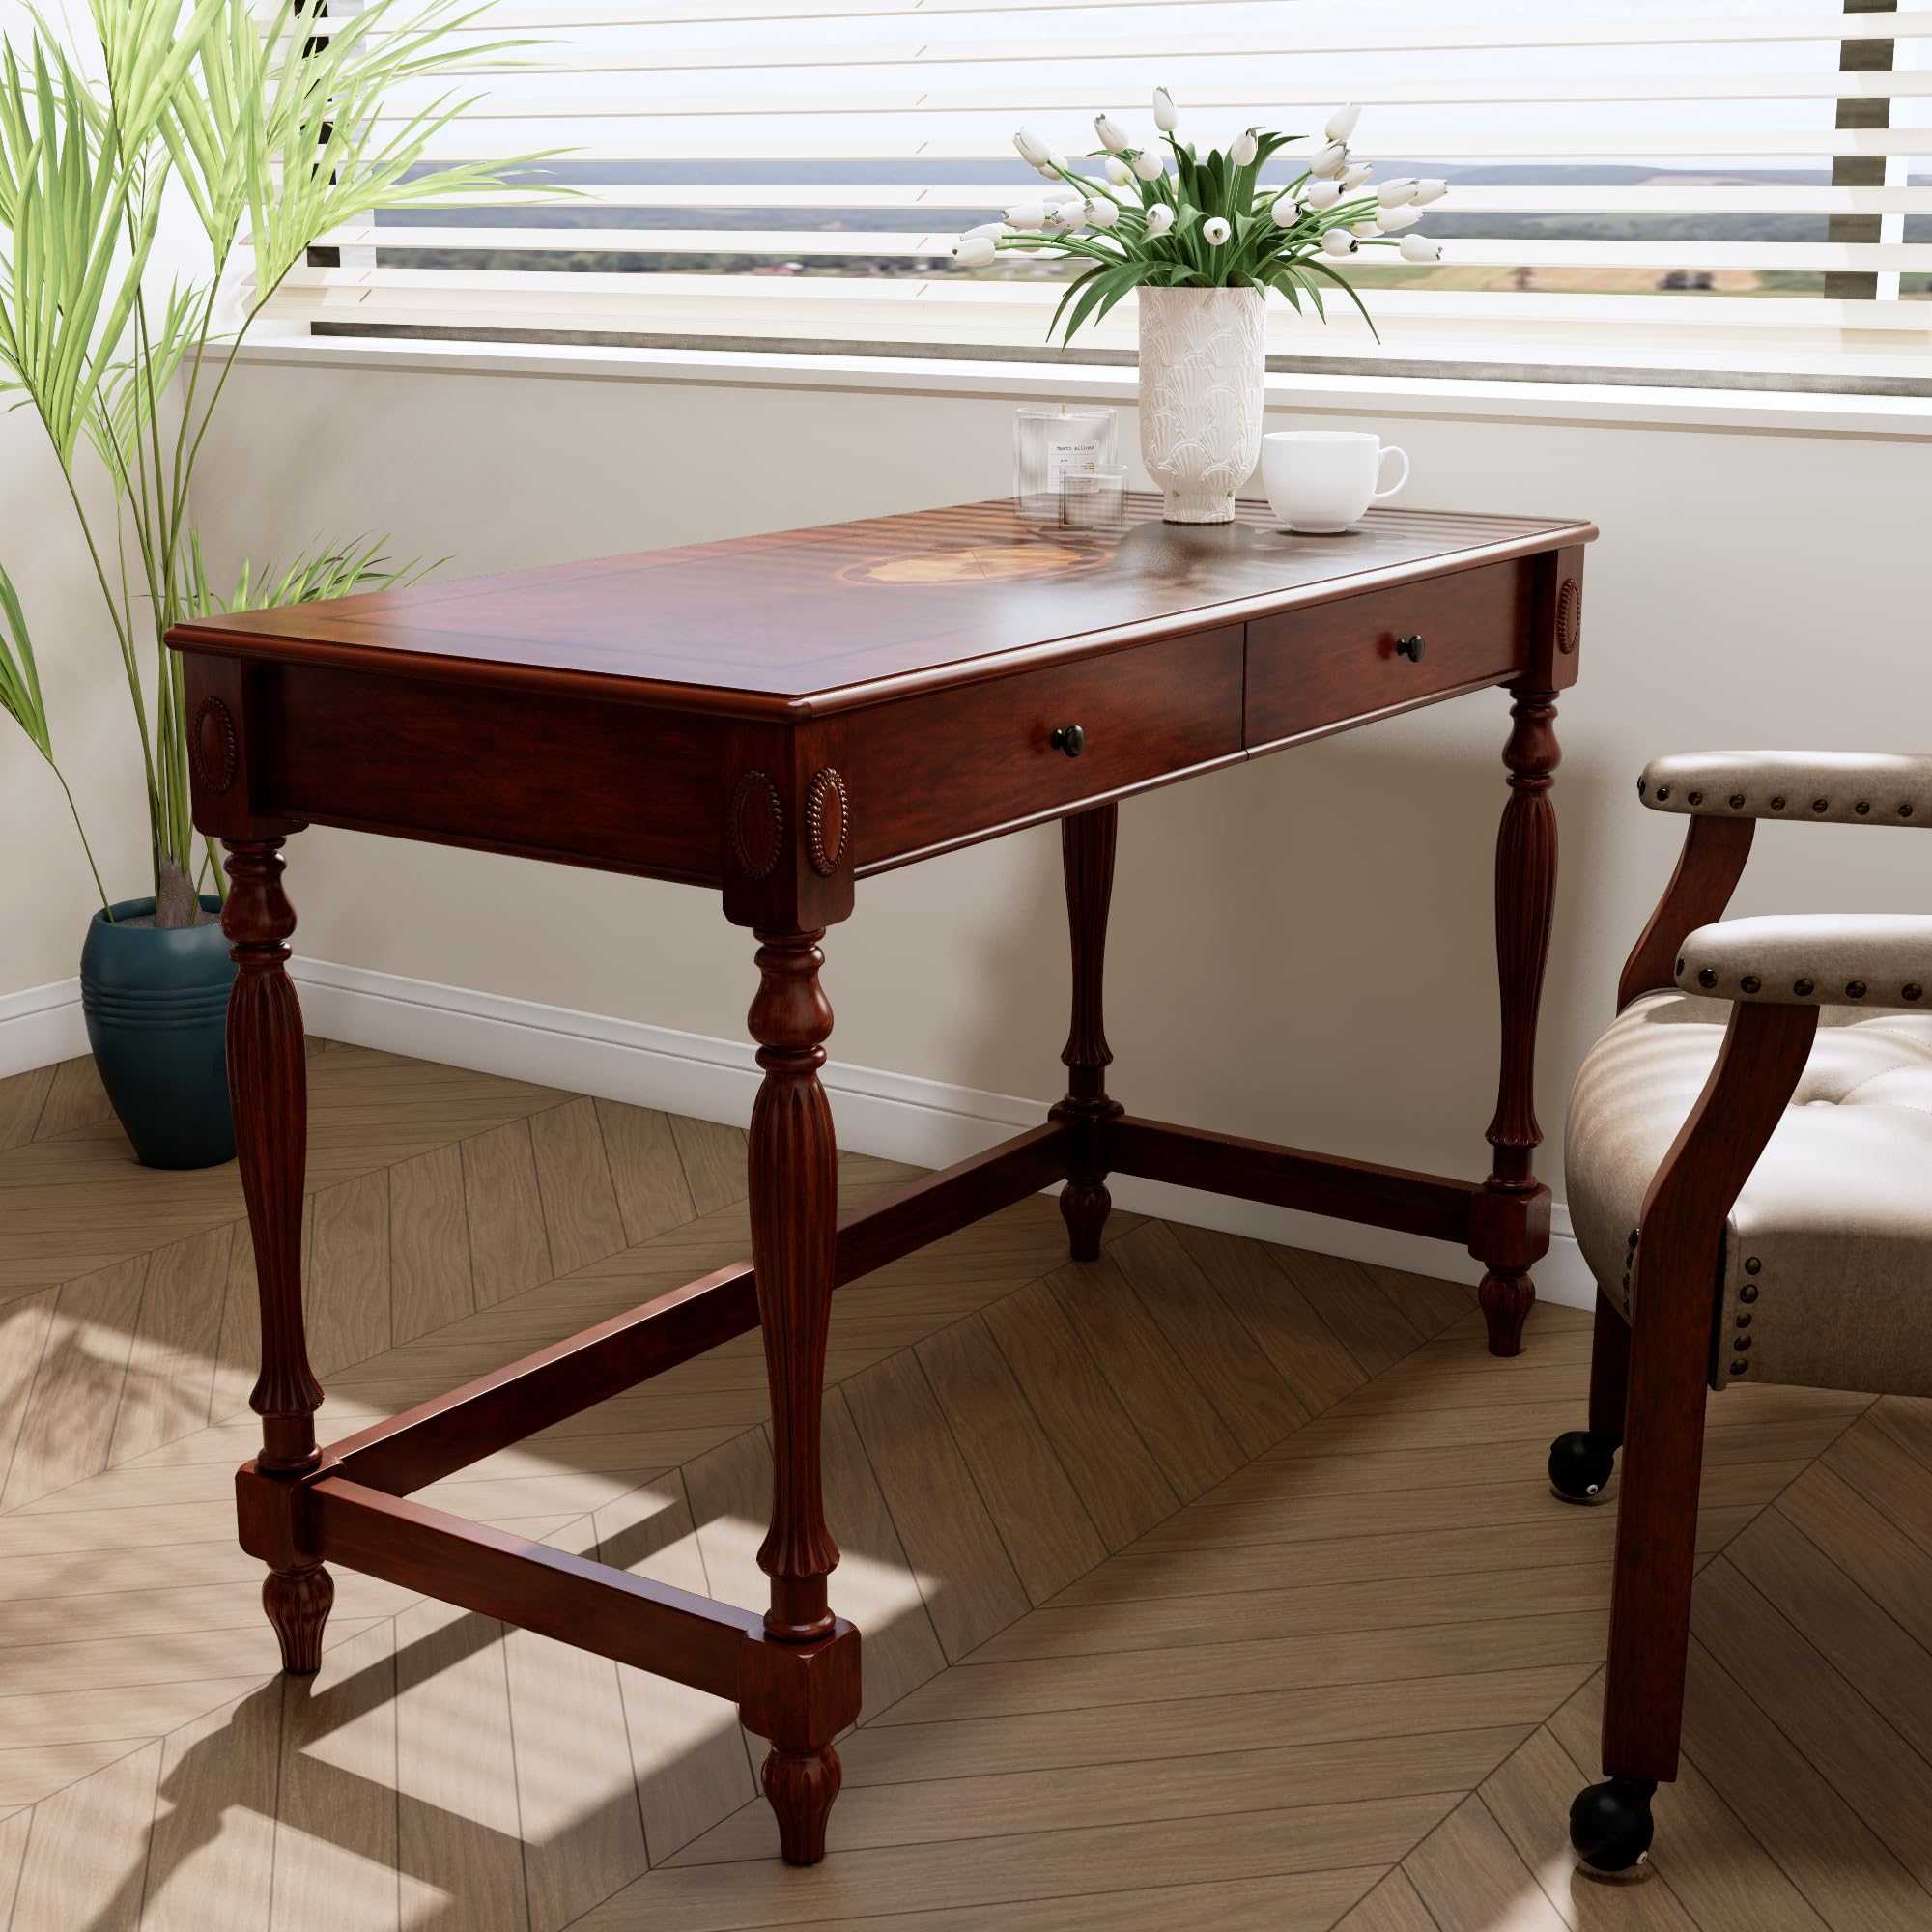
41,1026
893,1116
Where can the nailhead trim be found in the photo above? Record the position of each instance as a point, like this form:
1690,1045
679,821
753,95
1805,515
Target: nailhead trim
1747,1292
1801,988
1775,803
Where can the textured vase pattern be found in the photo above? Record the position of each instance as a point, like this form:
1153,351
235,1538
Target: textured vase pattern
1202,362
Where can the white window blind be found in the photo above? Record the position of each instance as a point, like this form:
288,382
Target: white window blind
1660,190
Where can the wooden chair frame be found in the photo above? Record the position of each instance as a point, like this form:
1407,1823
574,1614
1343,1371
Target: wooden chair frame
1650,1374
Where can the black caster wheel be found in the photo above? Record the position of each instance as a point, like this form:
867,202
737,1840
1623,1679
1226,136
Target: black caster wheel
1610,1824
1580,1465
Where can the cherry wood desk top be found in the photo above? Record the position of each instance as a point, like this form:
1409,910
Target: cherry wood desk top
805,623
778,716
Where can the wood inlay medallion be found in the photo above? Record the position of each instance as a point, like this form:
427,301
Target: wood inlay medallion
828,812
990,563
756,824
216,753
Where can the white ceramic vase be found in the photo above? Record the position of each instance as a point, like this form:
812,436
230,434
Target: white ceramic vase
1203,363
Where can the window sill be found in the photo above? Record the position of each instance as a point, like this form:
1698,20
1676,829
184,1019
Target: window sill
1757,411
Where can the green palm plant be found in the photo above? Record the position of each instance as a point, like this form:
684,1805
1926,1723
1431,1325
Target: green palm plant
274,128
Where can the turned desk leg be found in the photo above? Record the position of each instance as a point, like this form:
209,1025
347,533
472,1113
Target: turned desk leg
267,1084
794,1191
1526,901
1086,852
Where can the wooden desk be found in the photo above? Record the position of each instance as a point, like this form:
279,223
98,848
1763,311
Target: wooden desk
775,719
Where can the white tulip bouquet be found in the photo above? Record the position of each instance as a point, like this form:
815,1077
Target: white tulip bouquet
1208,223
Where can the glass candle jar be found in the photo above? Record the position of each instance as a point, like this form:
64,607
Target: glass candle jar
1048,443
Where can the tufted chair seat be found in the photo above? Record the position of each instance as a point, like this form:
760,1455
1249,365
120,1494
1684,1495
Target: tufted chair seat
1825,1249
1750,1172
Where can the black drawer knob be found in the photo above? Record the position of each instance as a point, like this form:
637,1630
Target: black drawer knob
1070,739
1410,647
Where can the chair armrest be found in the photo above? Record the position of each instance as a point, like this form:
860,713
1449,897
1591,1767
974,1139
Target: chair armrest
1832,787
1811,959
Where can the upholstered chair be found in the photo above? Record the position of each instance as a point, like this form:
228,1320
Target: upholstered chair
1750,1172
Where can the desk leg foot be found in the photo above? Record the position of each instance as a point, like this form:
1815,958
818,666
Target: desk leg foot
801,1786
1084,1205
298,1602
1087,854
1506,1301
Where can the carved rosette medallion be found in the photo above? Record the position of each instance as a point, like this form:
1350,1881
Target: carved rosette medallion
1569,616
217,750
828,816
756,825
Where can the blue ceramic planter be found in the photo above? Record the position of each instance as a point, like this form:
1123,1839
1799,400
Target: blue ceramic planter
156,1008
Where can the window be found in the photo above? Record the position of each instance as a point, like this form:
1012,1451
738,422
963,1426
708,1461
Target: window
1683,192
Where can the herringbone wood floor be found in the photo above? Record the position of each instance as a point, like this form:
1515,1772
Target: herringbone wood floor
1212,1585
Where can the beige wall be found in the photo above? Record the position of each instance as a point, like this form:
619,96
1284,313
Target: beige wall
1300,949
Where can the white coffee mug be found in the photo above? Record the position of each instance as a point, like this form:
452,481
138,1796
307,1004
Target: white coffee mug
1320,480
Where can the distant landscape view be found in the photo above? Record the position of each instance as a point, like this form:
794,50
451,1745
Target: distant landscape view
858,221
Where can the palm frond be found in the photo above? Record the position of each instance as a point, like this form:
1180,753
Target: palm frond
19,676
73,272
147,51
296,133
341,570
123,407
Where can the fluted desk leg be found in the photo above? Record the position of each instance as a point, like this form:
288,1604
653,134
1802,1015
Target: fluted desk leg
267,1084
794,1189
1525,903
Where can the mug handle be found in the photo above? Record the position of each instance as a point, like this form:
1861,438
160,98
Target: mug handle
1392,450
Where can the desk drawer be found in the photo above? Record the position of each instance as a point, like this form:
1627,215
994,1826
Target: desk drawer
944,767
1316,668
